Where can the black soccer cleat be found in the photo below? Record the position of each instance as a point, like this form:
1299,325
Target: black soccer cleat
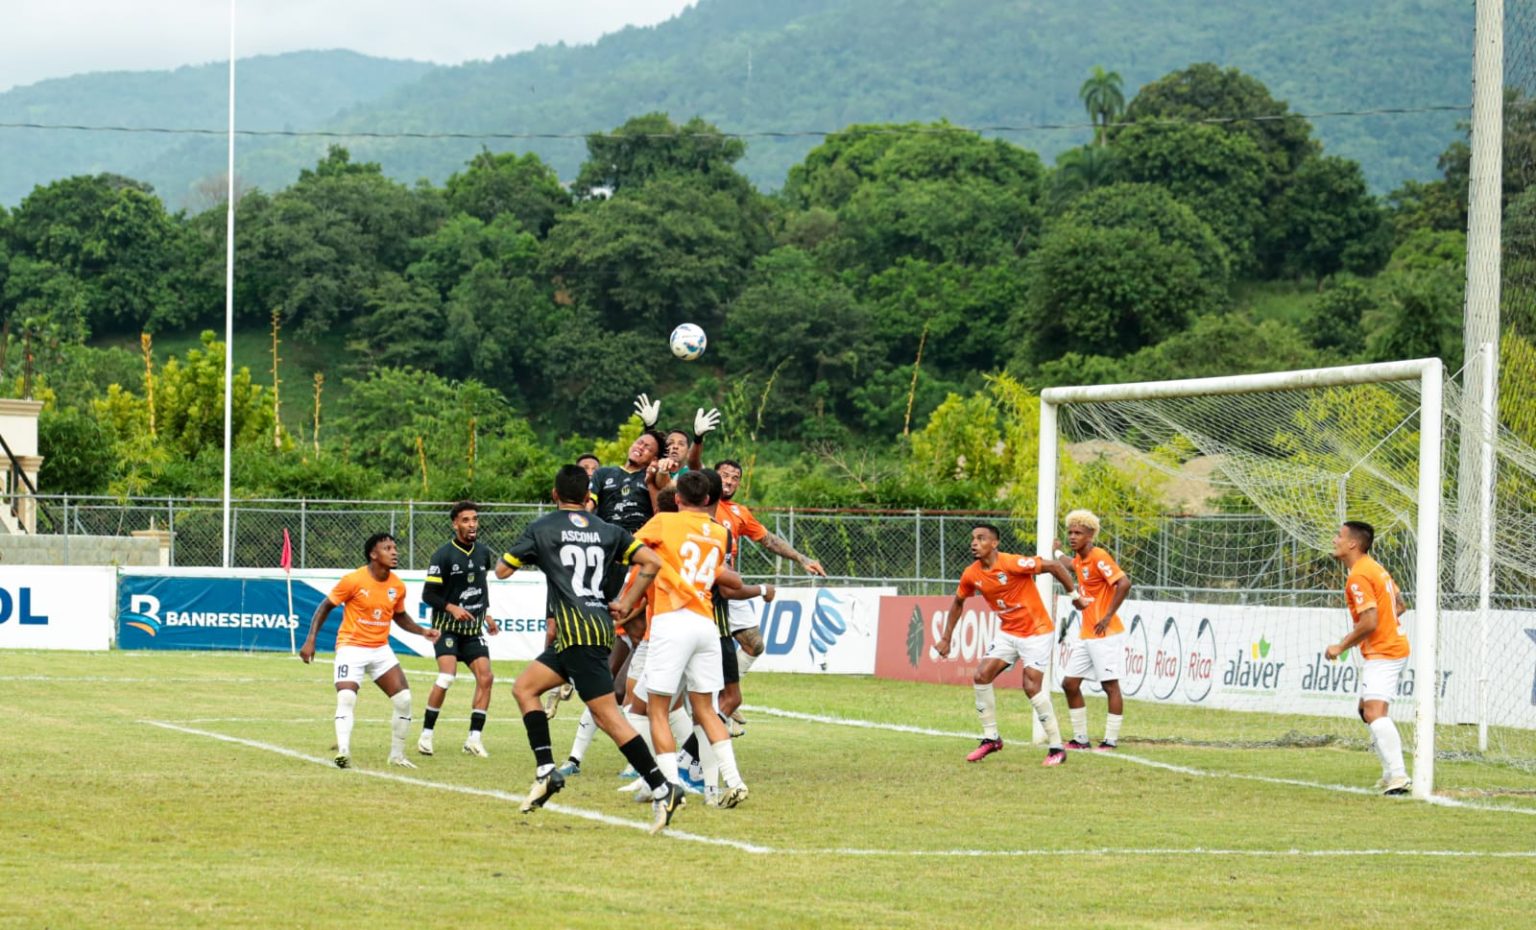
665,806
544,788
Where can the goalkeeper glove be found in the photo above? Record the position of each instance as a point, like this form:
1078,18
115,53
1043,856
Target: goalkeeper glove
648,410
705,423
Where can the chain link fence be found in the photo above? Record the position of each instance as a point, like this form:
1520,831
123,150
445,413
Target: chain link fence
1222,558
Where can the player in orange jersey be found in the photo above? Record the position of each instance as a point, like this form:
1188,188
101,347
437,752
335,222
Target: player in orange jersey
685,642
1375,604
371,598
1100,647
1007,583
738,518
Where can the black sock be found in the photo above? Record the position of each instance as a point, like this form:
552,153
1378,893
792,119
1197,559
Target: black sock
537,723
691,746
644,763
430,721
476,720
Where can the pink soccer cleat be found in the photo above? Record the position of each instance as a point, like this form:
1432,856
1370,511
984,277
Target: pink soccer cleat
986,748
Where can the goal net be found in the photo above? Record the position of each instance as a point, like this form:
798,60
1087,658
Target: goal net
1237,594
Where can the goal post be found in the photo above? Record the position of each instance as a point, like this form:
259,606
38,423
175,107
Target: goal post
1426,374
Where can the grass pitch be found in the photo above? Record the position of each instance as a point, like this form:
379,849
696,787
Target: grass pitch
193,790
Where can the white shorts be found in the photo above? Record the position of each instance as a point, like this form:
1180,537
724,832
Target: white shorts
744,615
1030,651
1379,678
637,661
685,647
353,662
1098,659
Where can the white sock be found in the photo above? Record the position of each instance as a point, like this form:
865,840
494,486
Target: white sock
642,726
1045,712
585,730
400,723
744,660
708,760
667,762
681,725
726,754
1389,745
346,702
986,708
1112,728
1079,718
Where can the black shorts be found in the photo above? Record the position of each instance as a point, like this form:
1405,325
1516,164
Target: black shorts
464,647
729,667
586,667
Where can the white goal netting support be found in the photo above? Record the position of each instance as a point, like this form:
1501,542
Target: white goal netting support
1236,599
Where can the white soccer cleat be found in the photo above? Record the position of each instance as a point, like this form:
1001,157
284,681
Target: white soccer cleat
474,748
731,797
402,762
424,744
636,787
1381,782
343,760
1397,785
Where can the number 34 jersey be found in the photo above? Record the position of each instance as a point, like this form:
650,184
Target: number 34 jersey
575,550
693,549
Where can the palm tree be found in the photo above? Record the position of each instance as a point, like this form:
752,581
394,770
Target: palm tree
1103,99
1079,171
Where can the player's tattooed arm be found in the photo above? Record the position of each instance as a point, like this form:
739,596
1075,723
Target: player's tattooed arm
316,622
776,544
945,643
403,621
649,564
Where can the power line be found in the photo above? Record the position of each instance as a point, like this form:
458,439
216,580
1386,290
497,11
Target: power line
744,134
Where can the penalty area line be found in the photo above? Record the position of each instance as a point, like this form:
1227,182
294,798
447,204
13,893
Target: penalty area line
497,794
1436,801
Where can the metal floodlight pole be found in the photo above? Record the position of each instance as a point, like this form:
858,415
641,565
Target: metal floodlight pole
229,286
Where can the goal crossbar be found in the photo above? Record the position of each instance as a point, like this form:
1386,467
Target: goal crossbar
1429,372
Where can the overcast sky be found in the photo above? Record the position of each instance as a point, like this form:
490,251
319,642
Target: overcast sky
42,39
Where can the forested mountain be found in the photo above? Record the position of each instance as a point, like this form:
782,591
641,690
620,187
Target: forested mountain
776,65
300,90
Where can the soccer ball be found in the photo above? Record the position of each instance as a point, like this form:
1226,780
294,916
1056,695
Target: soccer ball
688,342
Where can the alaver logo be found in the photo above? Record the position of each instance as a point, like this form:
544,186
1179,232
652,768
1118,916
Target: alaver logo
1254,670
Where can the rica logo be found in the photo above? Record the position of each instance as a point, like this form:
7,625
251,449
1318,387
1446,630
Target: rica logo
1254,670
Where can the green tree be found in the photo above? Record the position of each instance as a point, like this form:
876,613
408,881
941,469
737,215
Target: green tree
78,453
508,184
1326,221
668,252
133,264
1334,317
1104,100
1223,176
1420,299
189,403
1205,91
1081,170
798,325
650,147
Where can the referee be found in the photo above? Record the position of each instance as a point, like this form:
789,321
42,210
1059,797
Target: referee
457,590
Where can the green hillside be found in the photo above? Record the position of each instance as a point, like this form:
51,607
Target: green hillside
300,90
773,65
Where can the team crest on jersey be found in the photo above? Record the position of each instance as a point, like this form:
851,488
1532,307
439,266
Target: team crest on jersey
626,490
391,593
580,521
1002,577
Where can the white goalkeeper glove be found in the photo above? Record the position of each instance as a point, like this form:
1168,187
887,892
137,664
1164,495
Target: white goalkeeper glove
648,410
705,423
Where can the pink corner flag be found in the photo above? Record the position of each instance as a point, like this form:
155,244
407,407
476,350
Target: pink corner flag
287,562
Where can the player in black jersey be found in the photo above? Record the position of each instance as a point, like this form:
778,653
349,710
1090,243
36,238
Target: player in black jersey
458,591
576,550
626,494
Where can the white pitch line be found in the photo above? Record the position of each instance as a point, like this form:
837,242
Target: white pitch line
462,789
1436,801
1105,851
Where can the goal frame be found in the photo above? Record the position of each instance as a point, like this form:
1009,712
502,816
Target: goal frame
1429,372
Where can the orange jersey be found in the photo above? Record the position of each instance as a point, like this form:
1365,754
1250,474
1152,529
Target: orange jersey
1097,576
692,548
739,520
368,607
1369,586
1009,589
